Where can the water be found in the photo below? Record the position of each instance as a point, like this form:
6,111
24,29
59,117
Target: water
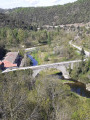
79,88
34,62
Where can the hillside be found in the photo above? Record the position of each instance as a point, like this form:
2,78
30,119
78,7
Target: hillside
76,12
48,96
2,10
8,21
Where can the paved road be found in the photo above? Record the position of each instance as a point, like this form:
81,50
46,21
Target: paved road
30,49
80,48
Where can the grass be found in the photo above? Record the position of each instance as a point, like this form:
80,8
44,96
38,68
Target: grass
53,71
67,81
47,55
82,46
49,72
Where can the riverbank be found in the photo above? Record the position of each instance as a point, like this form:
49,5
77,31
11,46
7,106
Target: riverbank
88,86
34,61
75,86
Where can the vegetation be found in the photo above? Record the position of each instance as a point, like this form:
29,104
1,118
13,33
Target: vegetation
47,98
83,36
7,20
57,50
52,44
81,72
2,51
76,12
53,54
28,62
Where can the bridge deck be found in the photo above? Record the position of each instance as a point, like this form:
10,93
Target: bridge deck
41,66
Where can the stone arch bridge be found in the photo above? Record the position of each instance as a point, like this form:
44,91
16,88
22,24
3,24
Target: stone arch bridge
62,66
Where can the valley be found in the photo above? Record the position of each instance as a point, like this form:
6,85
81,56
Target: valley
45,62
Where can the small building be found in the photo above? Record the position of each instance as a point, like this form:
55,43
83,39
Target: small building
10,60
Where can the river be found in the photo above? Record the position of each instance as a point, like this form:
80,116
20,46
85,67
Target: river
79,88
76,86
34,62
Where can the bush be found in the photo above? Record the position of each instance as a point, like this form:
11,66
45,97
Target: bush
46,58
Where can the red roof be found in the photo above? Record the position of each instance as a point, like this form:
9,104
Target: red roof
9,64
11,57
0,62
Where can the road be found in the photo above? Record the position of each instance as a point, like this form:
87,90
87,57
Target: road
80,48
41,66
30,49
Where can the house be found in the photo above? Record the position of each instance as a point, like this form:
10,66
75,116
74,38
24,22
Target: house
10,60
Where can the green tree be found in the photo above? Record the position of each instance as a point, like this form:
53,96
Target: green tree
82,57
49,39
9,37
21,35
14,92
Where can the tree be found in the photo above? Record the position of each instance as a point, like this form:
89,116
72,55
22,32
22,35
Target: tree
82,57
9,37
21,36
82,52
14,91
49,39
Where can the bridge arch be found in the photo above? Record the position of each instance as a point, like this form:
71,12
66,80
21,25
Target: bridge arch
62,69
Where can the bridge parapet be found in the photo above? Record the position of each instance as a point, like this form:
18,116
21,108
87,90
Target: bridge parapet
62,66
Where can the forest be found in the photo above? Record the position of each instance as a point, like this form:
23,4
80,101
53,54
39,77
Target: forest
76,12
25,98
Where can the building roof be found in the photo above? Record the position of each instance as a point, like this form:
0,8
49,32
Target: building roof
0,62
11,56
9,60
8,64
